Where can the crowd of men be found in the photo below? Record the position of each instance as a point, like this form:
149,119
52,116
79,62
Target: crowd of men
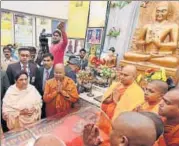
139,117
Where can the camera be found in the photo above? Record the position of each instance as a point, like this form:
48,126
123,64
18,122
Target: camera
44,48
43,34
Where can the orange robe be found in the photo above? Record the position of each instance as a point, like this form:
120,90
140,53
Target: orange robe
170,137
129,98
146,107
111,62
58,103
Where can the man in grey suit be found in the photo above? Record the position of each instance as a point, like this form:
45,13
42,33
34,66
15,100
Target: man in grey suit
23,64
83,61
44,73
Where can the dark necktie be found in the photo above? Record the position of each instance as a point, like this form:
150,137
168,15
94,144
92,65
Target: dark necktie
25,68
47,75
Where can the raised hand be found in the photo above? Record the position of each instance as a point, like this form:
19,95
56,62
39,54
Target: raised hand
91,135
61,26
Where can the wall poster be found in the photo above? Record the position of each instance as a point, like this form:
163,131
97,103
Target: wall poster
94,35
6,28
23,30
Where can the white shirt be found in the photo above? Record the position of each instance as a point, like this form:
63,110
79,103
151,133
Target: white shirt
28,69
44,76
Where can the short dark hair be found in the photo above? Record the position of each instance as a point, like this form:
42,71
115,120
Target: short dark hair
7,48
22,72
57,31
23,49
48,55
83,50
32,49
10,45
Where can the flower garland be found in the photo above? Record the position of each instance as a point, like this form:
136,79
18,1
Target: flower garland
153,74
97,62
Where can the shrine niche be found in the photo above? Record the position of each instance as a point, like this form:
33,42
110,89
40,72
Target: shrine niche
155,41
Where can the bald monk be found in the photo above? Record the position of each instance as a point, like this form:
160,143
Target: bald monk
47,140
60,92
128,129
169,108
154,92
121,96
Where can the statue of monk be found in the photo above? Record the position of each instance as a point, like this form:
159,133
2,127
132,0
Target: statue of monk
157,41
111,59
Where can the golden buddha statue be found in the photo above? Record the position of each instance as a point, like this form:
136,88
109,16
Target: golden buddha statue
157,42
92,54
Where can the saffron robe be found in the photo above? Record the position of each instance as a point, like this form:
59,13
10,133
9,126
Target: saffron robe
59,103
170,136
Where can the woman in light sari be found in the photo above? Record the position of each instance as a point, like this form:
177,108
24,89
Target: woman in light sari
21,104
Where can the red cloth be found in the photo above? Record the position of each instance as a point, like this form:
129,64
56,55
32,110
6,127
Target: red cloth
58,49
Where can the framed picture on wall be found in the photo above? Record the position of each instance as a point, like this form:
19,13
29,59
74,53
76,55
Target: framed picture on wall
74,46
94,35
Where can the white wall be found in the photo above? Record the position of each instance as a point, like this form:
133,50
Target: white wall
124,19
54,9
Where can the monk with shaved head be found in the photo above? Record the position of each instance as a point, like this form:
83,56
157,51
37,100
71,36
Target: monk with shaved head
47,140
121,96
169,109
60,92
154,92
128,129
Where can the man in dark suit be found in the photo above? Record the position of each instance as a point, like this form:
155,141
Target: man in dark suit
23,64
43,74
83,61
4,83
4,86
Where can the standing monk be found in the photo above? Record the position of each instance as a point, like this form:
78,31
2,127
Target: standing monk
169,108
58,45
153,95
60,92
121,97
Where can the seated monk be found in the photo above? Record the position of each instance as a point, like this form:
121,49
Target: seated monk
111,59
128,129
47,140
169,109
157,41
121,96
22,103
154,92
60,92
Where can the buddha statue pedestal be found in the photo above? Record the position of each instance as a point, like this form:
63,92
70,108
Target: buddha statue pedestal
156,42
143,66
